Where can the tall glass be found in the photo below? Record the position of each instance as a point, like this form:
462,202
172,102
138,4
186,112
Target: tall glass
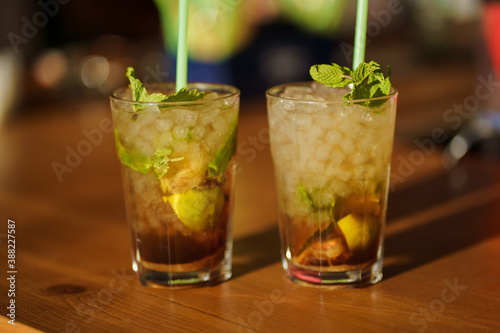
177,167
332,161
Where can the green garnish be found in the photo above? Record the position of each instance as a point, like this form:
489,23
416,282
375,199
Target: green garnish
304,195
136,162
316,200
185,95
143,164
161,159
368,81
224,154
189,136
139,94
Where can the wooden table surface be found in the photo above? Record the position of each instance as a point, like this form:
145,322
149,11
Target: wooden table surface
441,267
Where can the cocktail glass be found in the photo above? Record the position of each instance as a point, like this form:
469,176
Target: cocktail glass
178,168
332,161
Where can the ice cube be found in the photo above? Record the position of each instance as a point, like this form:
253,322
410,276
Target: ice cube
144,146
296,92
358,158
149,134
337,157
185,117
323,152
133,132
211,95
360,115
207,117
367,140
229,115
325,120
303,121
146,116
364,172
349,127
276,124
180,146
338,173
341,189
381,120
315,166
164,124
309,106
285,152
309,97
219,125
333,137
180,132
198,132
319,89
314,134
287,105
210,140
347,146
165,139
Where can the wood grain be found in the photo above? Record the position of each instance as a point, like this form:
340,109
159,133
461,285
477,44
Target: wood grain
74,270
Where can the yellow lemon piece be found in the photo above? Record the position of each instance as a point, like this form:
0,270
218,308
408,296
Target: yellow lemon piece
199,210
358,234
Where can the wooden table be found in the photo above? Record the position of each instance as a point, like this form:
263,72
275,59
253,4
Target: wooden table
441,268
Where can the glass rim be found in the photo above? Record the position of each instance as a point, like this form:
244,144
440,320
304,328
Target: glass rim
232,90
270,93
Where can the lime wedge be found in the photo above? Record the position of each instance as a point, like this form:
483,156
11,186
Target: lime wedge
359,234
199,210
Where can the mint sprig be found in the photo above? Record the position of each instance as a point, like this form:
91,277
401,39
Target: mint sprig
313,199
134,161
368,81
185,95
162,159
224,154
140,94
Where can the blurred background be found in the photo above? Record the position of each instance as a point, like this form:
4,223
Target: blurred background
69,51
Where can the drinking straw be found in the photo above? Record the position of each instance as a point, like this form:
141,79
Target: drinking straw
182,59
360,34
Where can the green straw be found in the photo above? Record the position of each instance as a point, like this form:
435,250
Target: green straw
182,58
360,36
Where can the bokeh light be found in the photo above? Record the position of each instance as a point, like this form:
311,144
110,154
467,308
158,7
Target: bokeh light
50,68
94,71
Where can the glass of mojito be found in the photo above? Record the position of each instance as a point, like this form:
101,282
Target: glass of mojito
332,158
177,167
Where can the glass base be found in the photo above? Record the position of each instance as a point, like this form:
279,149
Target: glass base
342,279
204,278
151,277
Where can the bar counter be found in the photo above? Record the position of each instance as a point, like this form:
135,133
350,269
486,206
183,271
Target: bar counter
62,192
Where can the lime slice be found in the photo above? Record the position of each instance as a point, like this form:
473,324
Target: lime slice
199,210
359,234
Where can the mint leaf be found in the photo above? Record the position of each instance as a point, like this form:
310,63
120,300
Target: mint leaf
368,81
136,162
316,199
304,195
184,95
364,70
224,154
160,161
359,92
331,75
139,93
189,137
